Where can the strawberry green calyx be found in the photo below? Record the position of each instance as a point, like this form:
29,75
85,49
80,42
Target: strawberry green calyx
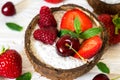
116,22
3,50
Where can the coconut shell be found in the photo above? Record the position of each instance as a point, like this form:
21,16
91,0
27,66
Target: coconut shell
62,74
101,7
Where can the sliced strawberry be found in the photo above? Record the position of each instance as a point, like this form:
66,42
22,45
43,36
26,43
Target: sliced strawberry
90,47
68,20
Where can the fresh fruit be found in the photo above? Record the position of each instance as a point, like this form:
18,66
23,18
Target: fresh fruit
89,47
8,9
54,1
113,32
64,50
68,20
46,35
77,24
101,77
47,23
46,18
10,64
105,18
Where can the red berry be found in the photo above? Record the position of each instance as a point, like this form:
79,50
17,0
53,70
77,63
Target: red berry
54,1
47,36
64,50
68,20
46,18
101,77
8,9
89,47
10,64
105,18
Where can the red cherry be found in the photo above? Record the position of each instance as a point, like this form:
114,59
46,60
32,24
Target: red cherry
8,9
64,50
101,77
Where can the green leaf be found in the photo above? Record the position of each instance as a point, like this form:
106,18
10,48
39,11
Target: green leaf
14,26
3,49
103,67
116,22
25,76
90,33
64,32
77,25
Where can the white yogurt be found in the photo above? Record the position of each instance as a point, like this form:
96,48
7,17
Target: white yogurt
48,54
111,1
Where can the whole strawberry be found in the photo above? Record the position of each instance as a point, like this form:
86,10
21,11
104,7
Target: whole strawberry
46,35
10,64
112,25
46,18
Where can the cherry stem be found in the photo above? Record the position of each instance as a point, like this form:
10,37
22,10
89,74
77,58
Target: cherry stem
83,59
116,78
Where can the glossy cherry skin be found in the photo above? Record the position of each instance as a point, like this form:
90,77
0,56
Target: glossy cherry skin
8,9
101,77
64,50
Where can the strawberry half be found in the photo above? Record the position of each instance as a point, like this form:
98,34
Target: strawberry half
89,47
68,20
10,64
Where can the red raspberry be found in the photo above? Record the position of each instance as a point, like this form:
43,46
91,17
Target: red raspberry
45,35
46,18
45,10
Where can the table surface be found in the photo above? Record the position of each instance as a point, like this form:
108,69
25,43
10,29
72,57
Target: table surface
26,10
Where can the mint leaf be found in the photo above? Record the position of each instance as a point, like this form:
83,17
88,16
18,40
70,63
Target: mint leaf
65,31
90,33
77,25
14,26
116,22
103,67
25,76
